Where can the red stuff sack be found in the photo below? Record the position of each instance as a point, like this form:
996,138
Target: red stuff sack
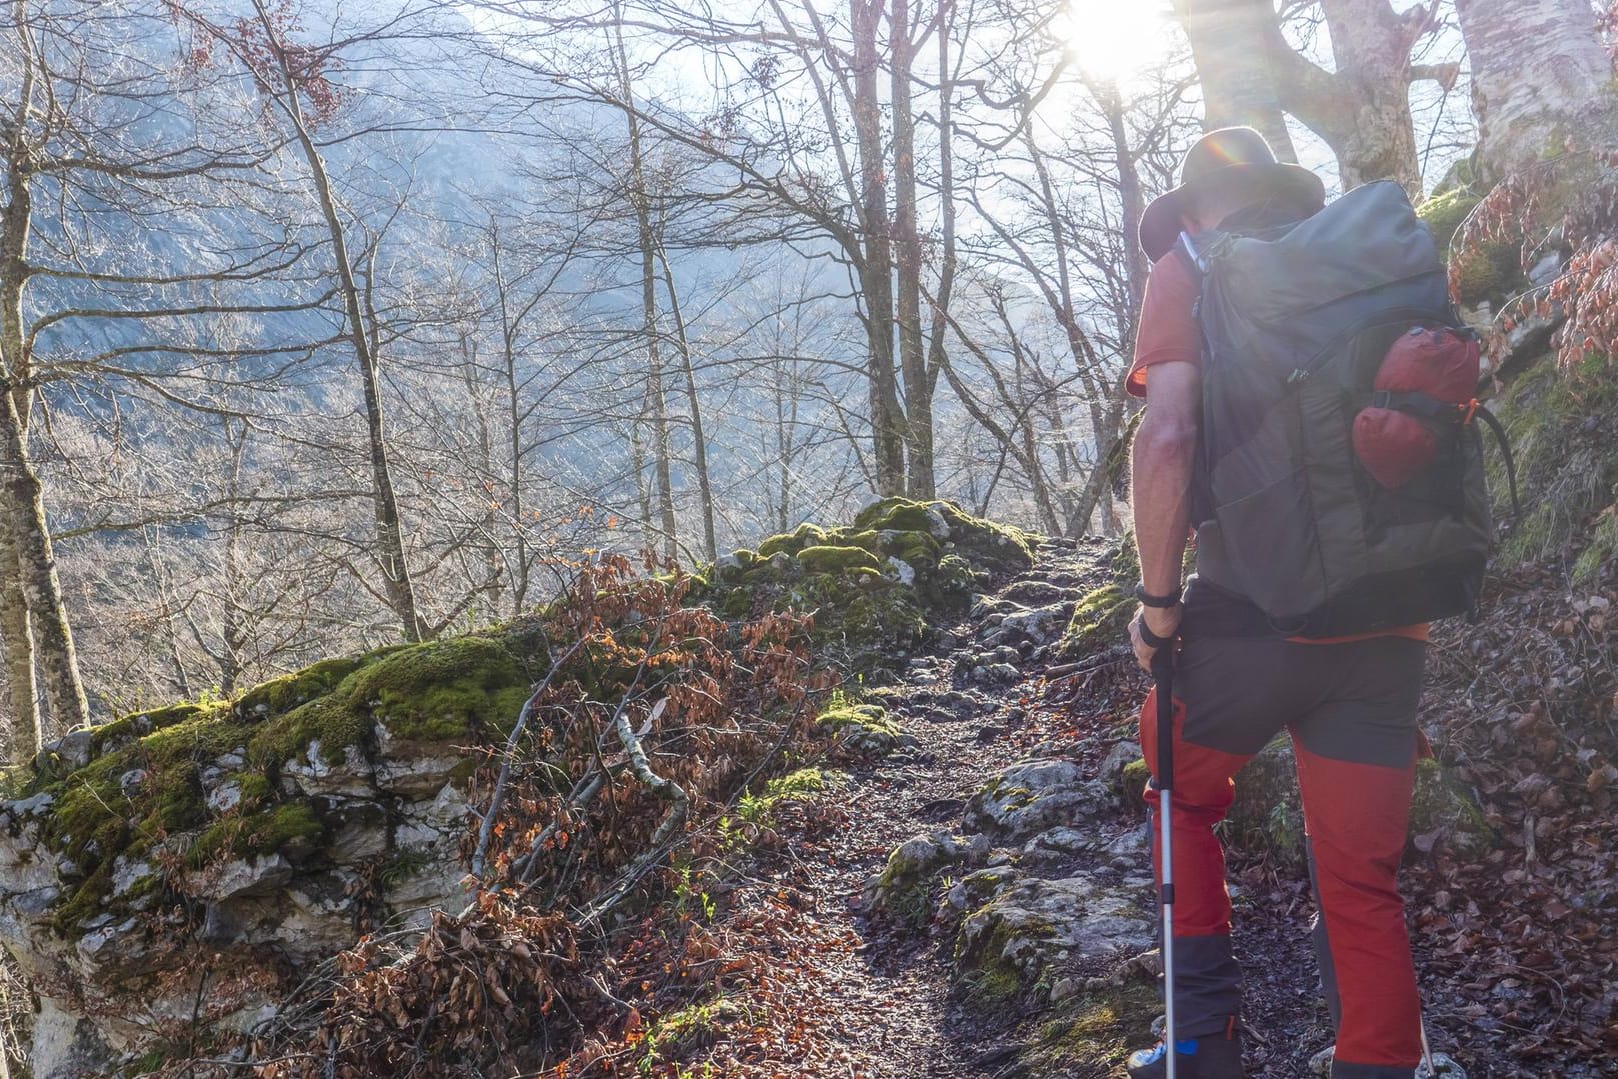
1435,367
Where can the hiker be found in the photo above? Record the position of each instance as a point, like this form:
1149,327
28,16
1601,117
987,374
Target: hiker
1242,673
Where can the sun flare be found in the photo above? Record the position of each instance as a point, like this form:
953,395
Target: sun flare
1115,40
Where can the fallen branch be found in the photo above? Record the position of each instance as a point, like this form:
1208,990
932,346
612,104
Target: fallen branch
486,832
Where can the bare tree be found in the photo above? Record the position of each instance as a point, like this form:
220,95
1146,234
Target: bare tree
296,81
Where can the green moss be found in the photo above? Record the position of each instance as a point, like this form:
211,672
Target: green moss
1002,546
280,695
685,1032
985,974
255,834
85,902
1601,549
146,786
1135,776
1488,273
866,729
1440,805
1444,214
869,612
1092,1033
1101,617
447,689
840,560
332,720
120,732
805,535
1560,423
794,786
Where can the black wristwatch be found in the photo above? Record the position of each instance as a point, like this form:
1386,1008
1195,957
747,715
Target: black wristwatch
1162,602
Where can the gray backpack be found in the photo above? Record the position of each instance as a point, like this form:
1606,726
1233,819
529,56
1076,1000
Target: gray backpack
1296,321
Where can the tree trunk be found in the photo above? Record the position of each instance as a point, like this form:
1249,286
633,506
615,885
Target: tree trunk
389,532
1238,85
786,418
887,418
58,663
508,356
25,734
33,618
1540,79
1371,47
643,492
655,394
15,223
699,436
912,359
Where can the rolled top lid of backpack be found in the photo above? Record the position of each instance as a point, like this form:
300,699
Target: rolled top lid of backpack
1369,238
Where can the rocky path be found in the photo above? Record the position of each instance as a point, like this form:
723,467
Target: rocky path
971,711
998,943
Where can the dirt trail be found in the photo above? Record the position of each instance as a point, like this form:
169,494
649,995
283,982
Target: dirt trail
881,998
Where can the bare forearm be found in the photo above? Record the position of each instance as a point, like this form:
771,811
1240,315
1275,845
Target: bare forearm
1161,484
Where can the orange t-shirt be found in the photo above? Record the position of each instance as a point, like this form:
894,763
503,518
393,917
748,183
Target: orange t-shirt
1167,332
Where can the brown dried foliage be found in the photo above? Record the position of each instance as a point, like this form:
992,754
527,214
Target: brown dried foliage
530,978
1566,205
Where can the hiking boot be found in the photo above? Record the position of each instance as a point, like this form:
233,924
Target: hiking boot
1212,1057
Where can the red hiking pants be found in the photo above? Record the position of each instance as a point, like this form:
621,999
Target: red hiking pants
1351,712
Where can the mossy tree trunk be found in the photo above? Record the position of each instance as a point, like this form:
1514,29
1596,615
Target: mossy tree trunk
1539,76
18,637
24,503
38,640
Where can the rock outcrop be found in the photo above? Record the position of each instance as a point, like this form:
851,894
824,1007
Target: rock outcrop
180,865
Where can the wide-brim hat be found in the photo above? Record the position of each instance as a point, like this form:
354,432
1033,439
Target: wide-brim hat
1231,158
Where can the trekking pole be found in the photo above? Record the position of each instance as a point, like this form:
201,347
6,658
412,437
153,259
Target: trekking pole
1163,677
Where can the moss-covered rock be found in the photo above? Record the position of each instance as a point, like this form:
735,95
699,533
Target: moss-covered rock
1101,617
1488,273
805,535
1010,942
1089,1033
1266,817
1562,423
826,558
903,889
197,782
878,589
1444,811
865,729
1031,796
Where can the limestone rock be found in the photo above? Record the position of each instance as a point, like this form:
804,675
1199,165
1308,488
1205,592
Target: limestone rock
902,886
314,774
1032,796
1041,625
1019,932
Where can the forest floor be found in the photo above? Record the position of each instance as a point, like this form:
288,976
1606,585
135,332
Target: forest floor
876,1001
